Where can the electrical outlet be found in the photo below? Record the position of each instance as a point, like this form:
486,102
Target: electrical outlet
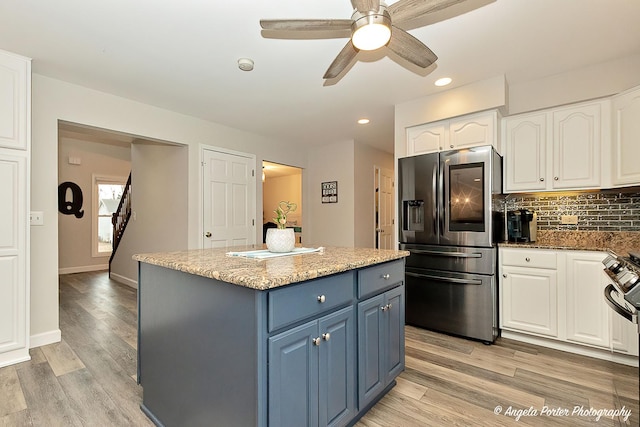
569,219
36,218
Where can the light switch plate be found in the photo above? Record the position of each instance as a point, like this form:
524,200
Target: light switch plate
36,218
569,219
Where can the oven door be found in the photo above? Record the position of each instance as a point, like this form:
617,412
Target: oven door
466,178
455,303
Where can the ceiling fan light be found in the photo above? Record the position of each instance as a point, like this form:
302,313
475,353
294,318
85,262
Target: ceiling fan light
371,31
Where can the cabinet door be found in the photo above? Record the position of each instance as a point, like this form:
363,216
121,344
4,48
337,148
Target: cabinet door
576,147
473,131
624,334
525,149
15,73
293,377
626,134
394,319
370,349
429,138
529,300
337,375
587,311
13,257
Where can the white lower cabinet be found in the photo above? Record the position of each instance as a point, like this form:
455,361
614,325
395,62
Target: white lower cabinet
557,298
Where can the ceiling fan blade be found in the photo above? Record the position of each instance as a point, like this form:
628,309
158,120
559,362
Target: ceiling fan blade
345,58
307,25
410,48
404,10
363,6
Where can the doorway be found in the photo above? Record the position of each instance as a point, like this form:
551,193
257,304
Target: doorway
383,208
281,183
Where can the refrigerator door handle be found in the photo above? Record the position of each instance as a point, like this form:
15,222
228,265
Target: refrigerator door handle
447,254
434,196
445,279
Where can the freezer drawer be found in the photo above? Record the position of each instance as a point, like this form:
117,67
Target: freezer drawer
455,303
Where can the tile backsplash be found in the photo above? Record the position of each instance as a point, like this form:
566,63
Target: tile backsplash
605,211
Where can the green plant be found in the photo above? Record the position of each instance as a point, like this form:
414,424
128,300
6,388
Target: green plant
282,211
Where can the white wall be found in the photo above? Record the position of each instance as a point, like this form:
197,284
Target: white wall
159,207
329,224
74,240
366,158
54,100
594,81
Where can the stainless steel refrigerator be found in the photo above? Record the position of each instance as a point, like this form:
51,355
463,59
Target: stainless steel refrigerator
450,222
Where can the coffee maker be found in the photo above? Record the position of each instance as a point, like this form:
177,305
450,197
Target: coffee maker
522,225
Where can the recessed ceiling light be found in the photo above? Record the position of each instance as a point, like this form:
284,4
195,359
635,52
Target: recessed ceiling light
443,81
363,121
245,64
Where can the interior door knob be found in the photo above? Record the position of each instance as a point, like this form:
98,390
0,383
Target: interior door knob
207,234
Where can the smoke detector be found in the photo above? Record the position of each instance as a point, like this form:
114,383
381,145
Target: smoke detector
245,64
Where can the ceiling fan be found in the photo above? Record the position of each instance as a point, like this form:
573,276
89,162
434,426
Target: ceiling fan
372,26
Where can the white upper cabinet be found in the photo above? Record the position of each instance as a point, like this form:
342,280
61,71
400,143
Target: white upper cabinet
525,139
556,149
576,147
425,139
626,138
469,131
14,98
474,131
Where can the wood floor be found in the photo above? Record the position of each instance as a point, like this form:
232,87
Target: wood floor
88,379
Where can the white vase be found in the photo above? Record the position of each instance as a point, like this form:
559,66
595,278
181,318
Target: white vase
280,240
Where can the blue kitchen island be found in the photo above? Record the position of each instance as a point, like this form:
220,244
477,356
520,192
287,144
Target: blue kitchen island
310,339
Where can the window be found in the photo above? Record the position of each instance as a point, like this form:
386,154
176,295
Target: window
107,192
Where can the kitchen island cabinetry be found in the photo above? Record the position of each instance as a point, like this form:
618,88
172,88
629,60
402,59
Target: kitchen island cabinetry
555,298
236,341
556,149
473,130
626,134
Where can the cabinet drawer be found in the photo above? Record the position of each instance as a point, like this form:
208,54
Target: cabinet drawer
292,303
529,258
373,280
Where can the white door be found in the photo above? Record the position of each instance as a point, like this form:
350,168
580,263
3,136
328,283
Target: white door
229,199
385,209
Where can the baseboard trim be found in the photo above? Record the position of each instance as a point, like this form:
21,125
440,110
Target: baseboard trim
124,280
45,338
83,269
603,354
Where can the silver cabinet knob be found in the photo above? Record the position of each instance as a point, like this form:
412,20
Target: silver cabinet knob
504,275
326,336
385,276
207,234
316,341
451,146
389,306
527,259
383,308
321,299
541,179
555,178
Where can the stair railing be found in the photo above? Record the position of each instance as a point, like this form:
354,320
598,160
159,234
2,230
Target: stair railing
120,219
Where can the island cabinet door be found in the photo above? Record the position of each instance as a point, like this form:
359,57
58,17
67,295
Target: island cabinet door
394,319
337,374
371,380
293,377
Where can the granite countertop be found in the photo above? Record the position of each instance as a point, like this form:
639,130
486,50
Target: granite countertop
268,273
620,242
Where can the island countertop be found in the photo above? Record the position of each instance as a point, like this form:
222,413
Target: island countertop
272,272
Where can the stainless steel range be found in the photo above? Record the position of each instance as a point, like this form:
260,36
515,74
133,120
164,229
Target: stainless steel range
623,296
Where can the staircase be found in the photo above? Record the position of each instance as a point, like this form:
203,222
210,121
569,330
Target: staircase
120,219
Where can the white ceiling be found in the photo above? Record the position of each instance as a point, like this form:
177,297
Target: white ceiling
182,55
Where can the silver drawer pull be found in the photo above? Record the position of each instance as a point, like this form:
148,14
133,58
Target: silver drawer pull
326,336
321,299
386,276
